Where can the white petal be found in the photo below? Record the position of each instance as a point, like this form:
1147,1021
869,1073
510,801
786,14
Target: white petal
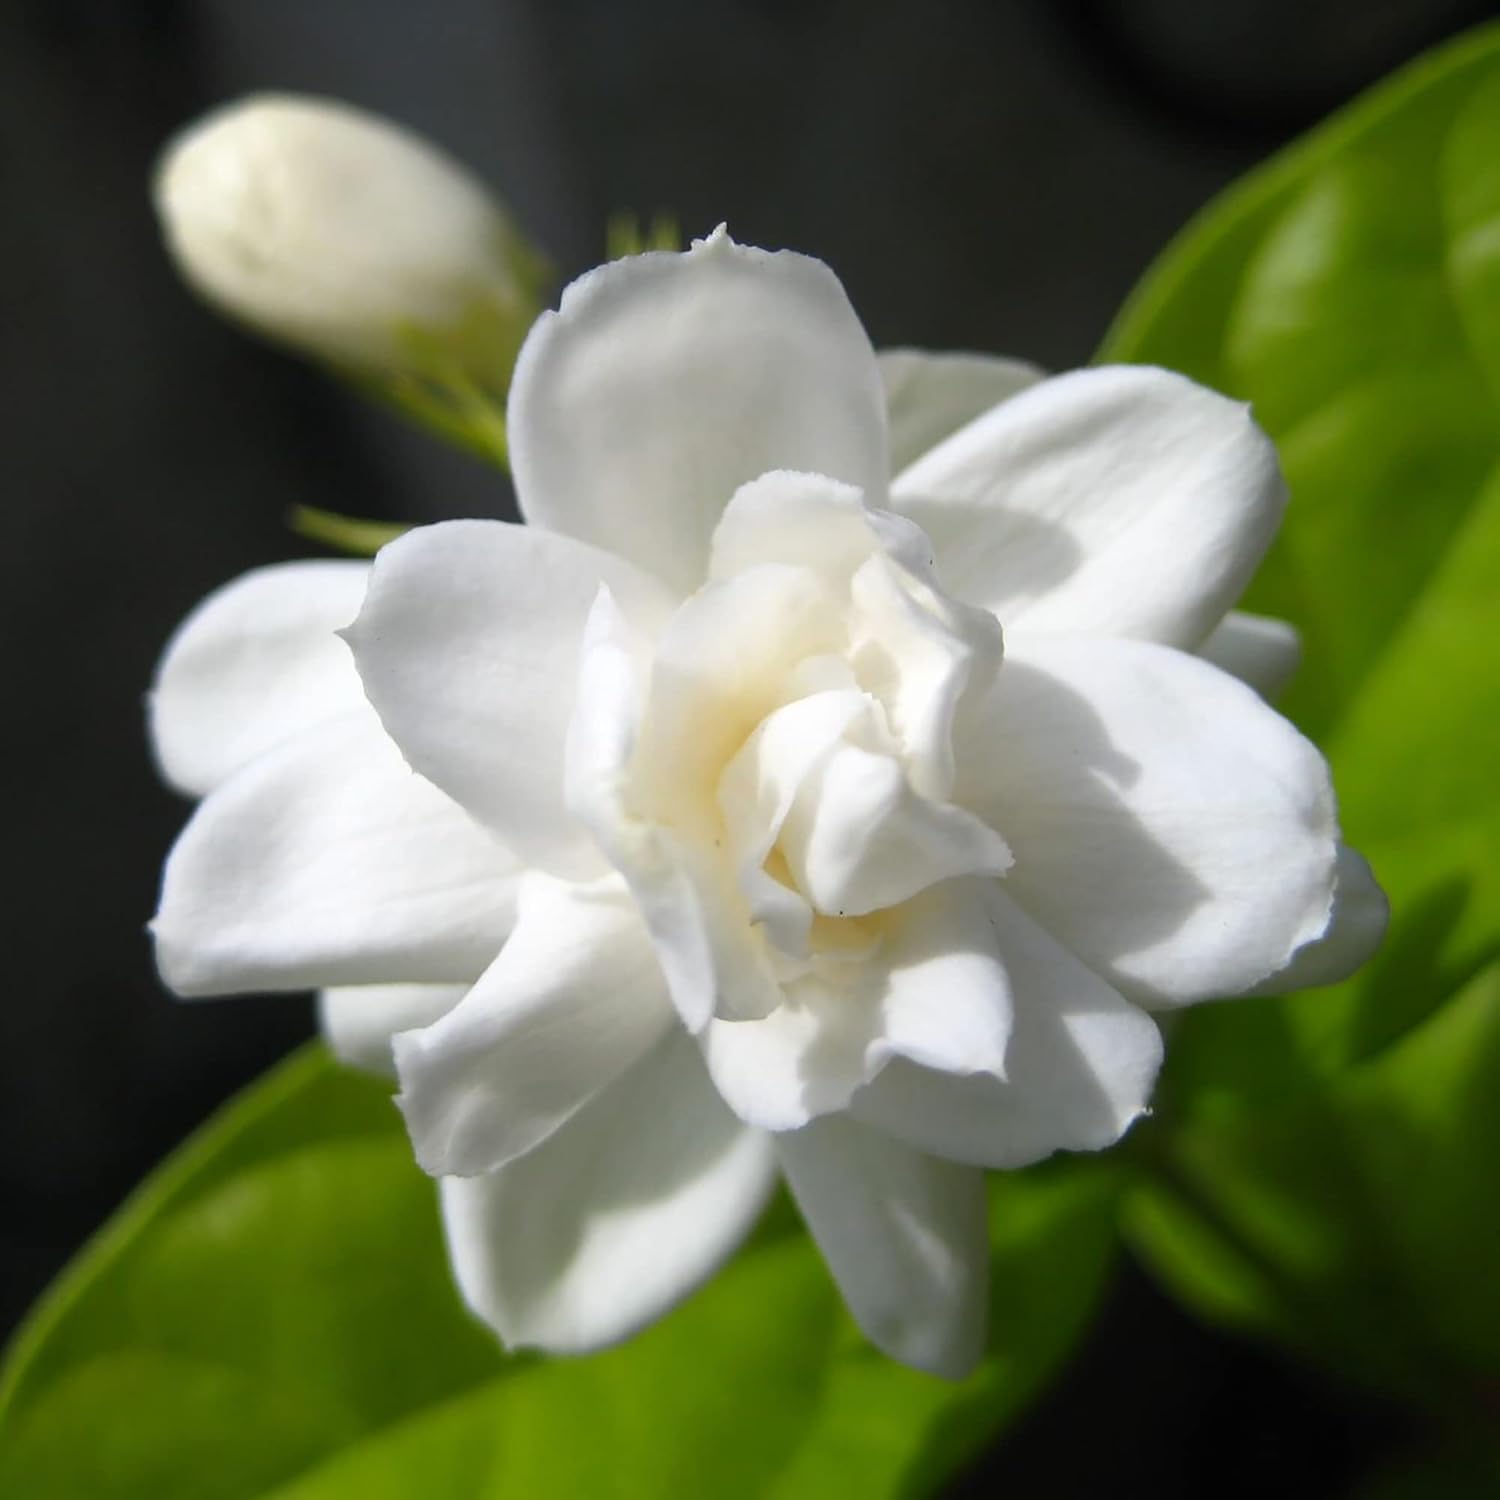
930,396
905,1238
614,1219
1355,931
1078,1070
858,838
574,998
756,793
682,882
935,988
327,861
1261,651
801,520
358,1021
600,746
664,382
257,661
803,1060
468,648
647,789
1168,827
1117,501
949,990
810,521
727,658
910,645
919,651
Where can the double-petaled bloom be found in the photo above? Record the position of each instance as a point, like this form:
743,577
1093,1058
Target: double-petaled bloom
752,812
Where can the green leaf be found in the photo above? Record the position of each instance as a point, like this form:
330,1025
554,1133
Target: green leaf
1360,1222
1317,1162
1350,290
271,1316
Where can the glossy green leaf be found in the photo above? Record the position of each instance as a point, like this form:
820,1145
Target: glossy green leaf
272,1316
1359,1222
1317,1165
1351,291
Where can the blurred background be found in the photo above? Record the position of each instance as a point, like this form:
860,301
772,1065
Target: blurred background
981,174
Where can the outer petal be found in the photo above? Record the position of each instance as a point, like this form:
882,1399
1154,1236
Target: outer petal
1261,651
1355,931
664,382
256,662
468,648
1117,501
615,1218
1078,1071
327,861
903,1234
574,998
1169,828
358,1021
930,396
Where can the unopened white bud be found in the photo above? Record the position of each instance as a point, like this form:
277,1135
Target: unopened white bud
339,233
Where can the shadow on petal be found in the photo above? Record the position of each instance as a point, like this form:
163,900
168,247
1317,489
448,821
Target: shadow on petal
1056,788
1045,553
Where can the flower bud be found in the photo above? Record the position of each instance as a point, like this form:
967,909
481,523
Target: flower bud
338,233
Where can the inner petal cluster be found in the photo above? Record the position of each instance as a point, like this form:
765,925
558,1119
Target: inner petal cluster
771,773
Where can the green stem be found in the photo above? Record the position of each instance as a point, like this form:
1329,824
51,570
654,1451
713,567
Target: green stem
352,534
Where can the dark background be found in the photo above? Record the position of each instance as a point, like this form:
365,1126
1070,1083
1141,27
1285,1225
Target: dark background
983,175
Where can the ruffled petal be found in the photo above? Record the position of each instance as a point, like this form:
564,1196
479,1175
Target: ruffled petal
803,1060
358,1021
1119,501
256,662
915,649
646,790
946,996
859,838
931,985
616,1217
1079,1068
1260,651
904,1236
1169,828
794,520
574,998
756,793
918,651
327,861
1355,930
468,648
928,397
664,382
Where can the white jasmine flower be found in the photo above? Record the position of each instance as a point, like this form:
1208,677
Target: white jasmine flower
844,826
339,233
